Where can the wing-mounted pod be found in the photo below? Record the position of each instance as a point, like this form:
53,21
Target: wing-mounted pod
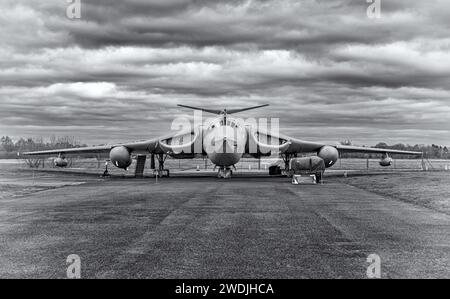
386,160
329,154
120,156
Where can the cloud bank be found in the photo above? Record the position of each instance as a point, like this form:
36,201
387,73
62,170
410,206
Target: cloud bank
329,72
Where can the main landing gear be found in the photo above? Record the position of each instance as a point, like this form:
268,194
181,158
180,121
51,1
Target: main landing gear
225,173
287,159
160,172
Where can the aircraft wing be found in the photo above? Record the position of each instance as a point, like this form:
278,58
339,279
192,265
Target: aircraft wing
134,147
301,146
356,149
71,151
169,144
288,145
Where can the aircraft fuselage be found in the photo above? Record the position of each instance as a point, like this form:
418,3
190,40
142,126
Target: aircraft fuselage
224,141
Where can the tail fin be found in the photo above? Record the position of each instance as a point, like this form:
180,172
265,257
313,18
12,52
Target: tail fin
224,111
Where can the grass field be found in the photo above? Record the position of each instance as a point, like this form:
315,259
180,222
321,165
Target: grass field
428,189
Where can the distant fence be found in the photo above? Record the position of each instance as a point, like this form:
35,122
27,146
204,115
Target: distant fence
400,164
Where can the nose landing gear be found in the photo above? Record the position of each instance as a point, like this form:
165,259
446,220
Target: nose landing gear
225,173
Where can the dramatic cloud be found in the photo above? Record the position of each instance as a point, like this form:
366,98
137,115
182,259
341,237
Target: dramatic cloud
329,72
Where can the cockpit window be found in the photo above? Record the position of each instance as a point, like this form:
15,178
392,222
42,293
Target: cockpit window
229,122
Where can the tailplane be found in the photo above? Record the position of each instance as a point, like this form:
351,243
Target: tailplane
224,111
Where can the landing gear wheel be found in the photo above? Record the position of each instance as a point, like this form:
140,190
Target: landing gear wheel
228,173
162,173
225,173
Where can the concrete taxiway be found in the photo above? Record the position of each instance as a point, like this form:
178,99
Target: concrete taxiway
197,227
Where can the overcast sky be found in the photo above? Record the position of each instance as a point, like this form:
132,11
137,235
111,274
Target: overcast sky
328,71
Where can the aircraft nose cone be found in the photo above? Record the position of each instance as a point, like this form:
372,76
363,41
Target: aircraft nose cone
223,141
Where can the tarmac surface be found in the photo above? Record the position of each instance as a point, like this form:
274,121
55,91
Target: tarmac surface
203,227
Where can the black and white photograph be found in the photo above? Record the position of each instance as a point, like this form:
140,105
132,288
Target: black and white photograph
224,145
